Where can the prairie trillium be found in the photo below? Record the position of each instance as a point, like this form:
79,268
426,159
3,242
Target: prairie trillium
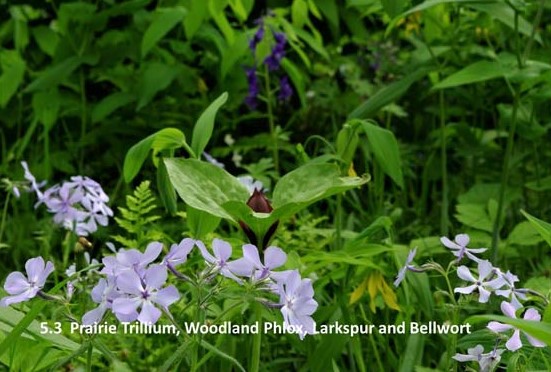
298,304
23,288
514,343
459,247
143,293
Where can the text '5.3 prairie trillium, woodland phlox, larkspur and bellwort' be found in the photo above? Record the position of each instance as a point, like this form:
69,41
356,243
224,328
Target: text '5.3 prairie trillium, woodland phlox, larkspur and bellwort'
134,286
485,280
79,205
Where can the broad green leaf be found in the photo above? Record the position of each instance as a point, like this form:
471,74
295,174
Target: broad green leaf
164,20
216,9
384,146
156,77
239,10
55,74
542,227
202,131
299,13
538,330
110,104
475,216
524,234
167,138
393,7
201,223
474,73
413,353
205,186
46,105
46,38
199,11
12,69
310,183
386,95
166,190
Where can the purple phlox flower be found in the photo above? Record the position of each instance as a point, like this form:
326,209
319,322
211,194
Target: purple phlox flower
104,293
258,35
285,90
71,271
459,247
407,266
514,343
514,294
62,205
481,284
250,264
90,261
219,262
34,186
212,160
144,293
278,51
298,304
250,183
24,288
254,87
134,260
89,187
486,361
178,253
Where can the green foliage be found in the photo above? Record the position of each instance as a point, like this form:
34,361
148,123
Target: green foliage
138,218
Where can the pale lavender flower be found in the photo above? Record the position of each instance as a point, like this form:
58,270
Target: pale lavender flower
511,293
407,266
15,191
459,247
486,361
250,264
250,183
24,288
219,262
298,304
481,284
178,253
134,260
104,293
514,343
212,160
34,186
71,271
144,293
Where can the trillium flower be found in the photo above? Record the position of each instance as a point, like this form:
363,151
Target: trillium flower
298,304
24,288
514,343
485,270
407,266
219,262
459,247
144,293
486,361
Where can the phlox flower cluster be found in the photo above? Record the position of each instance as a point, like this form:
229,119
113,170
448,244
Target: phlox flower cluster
79,205
484,281
134,286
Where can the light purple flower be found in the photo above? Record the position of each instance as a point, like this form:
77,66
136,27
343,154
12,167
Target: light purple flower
407,266
514,343
178,253
251,185
32,180
298,304
219,262
144,293
250,264
213,160
134,260
459,247
511,293
24,288
486,361
485,270
104,293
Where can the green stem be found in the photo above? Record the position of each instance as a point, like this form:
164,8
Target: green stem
89,358
536,24
338,223
269,102
257,341
4,214
82,117
444,218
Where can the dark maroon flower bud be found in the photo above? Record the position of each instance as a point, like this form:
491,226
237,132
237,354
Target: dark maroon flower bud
259,203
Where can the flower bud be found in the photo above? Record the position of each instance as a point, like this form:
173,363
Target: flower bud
259,203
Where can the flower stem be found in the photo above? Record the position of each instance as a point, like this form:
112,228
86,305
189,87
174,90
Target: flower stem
273,133
4,214
257,340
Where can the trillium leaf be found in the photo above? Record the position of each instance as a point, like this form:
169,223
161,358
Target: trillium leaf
205,186
205,125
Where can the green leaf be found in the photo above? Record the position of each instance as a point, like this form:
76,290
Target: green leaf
384,146
201,223
297,78
205,125
199,11
110,104
538,330
13,70
156,77
299,13
166,190
413,353
165,139
164,20
205,186
542,227
474,73
216,9
393,7
524,234
387,95
54,75
46,38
